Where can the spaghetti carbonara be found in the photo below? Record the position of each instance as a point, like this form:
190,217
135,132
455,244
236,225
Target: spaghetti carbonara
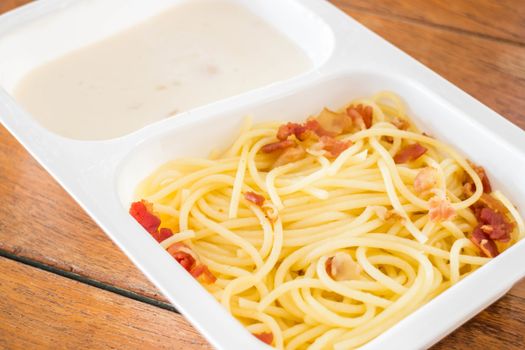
325,233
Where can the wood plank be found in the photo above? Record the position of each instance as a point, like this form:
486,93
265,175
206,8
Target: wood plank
40,310
503,20
492,72
6,5
501,326
40,221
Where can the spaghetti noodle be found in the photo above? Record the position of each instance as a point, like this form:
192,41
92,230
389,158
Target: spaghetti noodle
324,234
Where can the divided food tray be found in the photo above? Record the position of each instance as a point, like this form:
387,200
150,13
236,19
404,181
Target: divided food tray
348,61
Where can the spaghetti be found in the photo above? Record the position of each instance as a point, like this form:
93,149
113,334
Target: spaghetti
324,234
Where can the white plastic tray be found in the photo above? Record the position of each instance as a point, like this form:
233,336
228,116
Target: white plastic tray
349,61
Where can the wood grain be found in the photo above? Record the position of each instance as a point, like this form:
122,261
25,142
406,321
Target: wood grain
40,310
503,20
493,72
39,221
6,5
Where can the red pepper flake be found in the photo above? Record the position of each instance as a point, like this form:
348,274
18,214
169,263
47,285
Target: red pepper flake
484,243
409,153
143,212
255,198
277,146
361,112
334,147
265,337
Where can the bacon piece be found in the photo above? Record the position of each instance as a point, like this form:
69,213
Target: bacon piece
409,153
334,122
440,209
202,270
334,147
484,242
425,180
277,146
265,337
183,254
143,212
494,224
486,200
400,123
341,267
289,155
187,258
162,234
255,198
487,188
287,130
300,131
314,126
361,113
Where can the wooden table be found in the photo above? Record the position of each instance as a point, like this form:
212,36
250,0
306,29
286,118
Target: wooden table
64,284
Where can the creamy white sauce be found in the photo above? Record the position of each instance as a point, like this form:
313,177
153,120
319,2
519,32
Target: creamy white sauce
187,56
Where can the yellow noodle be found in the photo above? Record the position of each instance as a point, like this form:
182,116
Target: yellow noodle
274,263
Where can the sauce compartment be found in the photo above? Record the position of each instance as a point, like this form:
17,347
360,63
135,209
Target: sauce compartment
84,73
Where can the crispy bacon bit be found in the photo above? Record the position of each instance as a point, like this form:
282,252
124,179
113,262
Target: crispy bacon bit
409,153
314,126
494,224
468,189
300,131
162,234
484,243
183,254
341,267
255,198
361,113
400,123
440,209
143,212
425,180
287,130
289,155
336,123
486,200
265,337
202,271
487,188
334,147
277,146
187,258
